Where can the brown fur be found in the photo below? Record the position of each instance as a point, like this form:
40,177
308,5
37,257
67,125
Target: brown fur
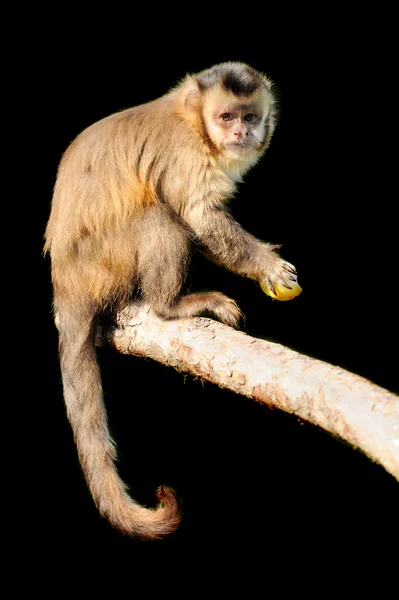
134,192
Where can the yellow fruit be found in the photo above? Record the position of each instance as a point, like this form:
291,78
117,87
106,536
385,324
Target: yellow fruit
282,293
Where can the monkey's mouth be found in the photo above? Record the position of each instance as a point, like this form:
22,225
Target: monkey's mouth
240,145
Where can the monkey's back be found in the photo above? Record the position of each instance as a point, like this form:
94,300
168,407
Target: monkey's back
108,178
118,166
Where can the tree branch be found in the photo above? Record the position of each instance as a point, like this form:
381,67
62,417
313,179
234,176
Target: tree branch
347,405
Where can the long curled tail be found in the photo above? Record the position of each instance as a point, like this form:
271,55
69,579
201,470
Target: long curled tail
86,412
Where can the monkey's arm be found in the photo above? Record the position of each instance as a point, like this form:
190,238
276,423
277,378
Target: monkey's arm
228,244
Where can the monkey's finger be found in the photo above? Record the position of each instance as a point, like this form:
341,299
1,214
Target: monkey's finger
285,284
289,267
271,287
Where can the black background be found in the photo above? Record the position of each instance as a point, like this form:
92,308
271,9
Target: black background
249,477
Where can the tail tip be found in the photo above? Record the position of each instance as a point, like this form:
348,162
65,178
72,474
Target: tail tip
168,498
170,503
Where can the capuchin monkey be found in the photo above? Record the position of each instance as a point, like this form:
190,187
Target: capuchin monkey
135,193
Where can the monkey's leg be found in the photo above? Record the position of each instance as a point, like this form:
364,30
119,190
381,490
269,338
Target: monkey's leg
163,260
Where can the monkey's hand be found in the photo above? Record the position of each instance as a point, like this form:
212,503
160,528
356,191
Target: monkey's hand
282,282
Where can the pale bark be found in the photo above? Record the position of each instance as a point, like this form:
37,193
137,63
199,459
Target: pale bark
346,405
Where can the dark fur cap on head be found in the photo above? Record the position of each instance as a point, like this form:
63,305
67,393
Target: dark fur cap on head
236,77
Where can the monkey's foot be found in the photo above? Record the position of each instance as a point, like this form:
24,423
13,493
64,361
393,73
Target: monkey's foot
192,305
224,308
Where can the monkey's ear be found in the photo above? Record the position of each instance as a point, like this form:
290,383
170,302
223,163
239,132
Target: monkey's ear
192,102
193,108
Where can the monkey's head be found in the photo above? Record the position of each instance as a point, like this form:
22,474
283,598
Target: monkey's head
238,109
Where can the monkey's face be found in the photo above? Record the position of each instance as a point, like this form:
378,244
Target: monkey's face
235,125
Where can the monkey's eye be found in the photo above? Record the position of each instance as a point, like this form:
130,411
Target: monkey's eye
226,116
250,117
